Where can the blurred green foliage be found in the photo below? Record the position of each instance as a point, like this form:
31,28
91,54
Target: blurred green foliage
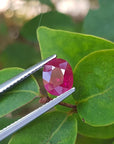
3,28
47,2
19,54
100,22
51,19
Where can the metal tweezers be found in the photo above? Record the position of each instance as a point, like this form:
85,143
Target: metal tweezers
5,132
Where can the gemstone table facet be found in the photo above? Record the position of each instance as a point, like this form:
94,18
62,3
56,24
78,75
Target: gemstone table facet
57,76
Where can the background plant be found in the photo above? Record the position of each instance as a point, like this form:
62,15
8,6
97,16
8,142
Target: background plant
92,60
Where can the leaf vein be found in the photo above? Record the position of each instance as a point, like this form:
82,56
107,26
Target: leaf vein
57,129
21,91
95,95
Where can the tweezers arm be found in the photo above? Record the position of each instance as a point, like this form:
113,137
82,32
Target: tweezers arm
33,115
8,84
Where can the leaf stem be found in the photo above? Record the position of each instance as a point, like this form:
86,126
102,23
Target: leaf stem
44,100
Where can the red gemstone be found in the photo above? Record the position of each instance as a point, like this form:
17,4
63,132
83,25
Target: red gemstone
57,76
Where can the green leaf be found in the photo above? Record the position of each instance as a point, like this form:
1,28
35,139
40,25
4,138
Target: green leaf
94,75
100,22
105,132
50,19
19,55
5,121
87,140
51,128
47,2
19,95
69,46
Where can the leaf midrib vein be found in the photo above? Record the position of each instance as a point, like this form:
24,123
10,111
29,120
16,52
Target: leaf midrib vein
57,129
25,91
95,95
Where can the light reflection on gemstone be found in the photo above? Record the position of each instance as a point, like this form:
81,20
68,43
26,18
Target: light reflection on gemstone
47,76
57,76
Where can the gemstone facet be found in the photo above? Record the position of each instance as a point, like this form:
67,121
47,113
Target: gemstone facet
57,76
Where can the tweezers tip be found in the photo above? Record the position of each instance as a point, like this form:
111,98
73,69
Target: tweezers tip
73,89
54,55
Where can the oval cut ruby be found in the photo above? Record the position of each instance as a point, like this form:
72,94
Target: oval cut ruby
57,76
